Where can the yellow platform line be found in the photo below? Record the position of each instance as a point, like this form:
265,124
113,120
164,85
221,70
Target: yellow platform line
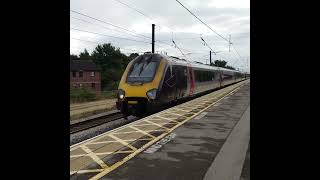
164,123
94,156
143,132
167,119
213,95
122,142
159,119
159,125
89,171
178,109
149,124
103,153
194,107
153,130
180,115
73,147
209,102
129,132
115,152
119,163
106,142
127,140
126,132
198,105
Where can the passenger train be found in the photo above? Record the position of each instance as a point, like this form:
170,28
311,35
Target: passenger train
151,81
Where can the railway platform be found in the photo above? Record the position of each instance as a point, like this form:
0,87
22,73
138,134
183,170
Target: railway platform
206,138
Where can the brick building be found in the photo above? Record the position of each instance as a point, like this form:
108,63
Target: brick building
85,74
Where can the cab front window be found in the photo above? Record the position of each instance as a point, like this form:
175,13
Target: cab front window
143,69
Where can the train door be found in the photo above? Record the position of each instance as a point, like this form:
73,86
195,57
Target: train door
220,78
191,81
169,85
181,80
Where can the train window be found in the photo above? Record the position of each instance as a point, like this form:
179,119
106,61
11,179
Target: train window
202,76
148,69
208,77
168,74
142,71
169,78
196,76
181,75
212,75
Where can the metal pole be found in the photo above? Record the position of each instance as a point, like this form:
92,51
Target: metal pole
210,58
153,38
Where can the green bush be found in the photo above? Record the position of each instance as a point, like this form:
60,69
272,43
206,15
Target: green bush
82,95
108,94
111,86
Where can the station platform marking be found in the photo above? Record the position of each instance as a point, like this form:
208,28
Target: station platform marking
104,153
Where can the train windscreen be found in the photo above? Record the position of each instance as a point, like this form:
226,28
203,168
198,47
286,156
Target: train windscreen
143,69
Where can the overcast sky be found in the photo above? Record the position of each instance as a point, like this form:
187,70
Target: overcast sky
172,22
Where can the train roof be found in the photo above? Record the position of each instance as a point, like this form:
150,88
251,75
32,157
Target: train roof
180,61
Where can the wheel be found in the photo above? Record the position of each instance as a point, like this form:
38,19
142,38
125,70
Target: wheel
140,109
124,109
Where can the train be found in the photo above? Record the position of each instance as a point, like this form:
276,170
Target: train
152,80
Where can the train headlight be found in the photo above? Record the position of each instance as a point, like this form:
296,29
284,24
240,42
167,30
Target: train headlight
121,94
152,94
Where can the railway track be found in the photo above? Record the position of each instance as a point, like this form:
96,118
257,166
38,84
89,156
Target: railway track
77,107
80,126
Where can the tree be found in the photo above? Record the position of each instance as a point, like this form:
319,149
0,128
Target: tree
133,55
230,67
128,59
220,63
74,57
111,61
85,55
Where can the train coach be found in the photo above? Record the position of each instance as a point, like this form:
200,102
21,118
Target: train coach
151,81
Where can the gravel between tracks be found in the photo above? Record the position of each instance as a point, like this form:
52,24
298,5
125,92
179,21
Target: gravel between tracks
89,133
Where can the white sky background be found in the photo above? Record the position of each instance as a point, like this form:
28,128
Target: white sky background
224,16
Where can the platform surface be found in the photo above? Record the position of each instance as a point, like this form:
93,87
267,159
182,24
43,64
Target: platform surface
183,142
203,148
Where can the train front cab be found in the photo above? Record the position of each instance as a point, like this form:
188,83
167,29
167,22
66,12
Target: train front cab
139,84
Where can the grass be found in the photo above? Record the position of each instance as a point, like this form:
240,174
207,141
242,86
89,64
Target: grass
90,113
84,95
111,94
81,95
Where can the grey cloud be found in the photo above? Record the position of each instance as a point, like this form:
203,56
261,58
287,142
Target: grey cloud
226,20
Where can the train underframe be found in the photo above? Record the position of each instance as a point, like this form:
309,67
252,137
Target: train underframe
138,107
